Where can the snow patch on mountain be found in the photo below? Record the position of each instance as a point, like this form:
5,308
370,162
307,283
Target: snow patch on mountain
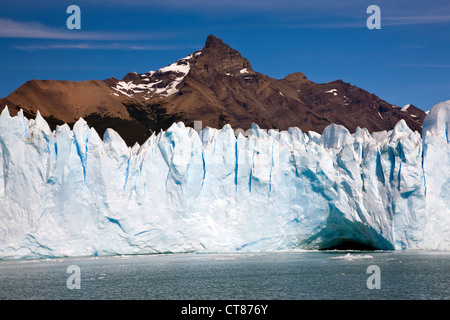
152,85
405,107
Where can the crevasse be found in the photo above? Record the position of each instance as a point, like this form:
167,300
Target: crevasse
70,193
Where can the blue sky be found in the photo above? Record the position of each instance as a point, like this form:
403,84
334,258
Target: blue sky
406,61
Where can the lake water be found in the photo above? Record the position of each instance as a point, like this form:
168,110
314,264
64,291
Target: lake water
251,276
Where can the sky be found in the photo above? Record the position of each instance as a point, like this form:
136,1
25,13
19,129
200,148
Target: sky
405,61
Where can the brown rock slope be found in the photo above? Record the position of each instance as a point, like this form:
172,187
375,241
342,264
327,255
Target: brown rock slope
215,85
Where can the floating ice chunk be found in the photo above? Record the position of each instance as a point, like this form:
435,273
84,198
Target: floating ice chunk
351,257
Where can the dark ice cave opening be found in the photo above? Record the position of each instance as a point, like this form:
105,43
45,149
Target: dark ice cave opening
350,245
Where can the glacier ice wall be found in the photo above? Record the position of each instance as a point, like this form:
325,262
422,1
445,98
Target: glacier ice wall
70,193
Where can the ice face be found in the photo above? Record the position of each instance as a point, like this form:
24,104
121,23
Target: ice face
436,170
70,192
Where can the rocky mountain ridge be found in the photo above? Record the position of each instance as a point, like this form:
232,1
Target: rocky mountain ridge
215,85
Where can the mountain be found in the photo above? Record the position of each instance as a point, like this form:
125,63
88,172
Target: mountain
70,193
215,85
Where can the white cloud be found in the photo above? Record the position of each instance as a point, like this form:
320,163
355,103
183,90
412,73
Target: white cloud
417,19
99,46
35,30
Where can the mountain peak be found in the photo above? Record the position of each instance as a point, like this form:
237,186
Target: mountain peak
224,59
213,41
216,85
216,45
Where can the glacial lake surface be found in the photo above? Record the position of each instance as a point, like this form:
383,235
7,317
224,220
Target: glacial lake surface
311,275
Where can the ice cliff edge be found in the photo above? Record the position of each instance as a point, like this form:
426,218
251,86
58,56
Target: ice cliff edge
70,193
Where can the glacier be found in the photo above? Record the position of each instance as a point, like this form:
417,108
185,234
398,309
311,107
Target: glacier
69,192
